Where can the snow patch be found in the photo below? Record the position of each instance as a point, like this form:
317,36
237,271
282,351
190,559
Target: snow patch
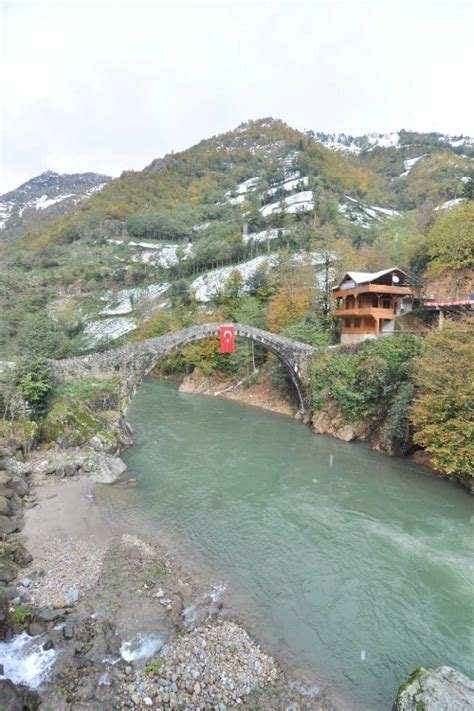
409,163
264,235
450,204
288,186
208,285
168,255
362,214
383,140
299,202
108,329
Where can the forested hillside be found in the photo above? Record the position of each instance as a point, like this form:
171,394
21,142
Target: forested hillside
159,248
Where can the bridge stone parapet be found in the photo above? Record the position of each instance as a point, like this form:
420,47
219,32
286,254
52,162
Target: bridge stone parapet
133,361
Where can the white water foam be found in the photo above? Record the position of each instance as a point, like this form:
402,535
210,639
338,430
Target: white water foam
140,647
25,662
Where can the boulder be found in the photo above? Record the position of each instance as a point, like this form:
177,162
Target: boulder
441,689
8,525
5,506
19,485
330,421
16,697
17,468
5,491
8,572
21,555
4,478
105,469
104,442
48,614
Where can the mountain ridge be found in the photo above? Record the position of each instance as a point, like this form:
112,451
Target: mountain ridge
45,196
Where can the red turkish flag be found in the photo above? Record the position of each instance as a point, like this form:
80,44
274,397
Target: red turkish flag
227,339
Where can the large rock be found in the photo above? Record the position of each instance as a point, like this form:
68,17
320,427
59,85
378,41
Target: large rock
16,697
5,506
8,525
17,468
330,421
104,468
441,689
8,572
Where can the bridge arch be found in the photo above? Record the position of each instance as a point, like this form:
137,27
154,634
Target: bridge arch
134,361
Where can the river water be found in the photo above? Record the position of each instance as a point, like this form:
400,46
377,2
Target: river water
354,567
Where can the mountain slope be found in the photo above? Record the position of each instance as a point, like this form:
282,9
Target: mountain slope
257,197
45,197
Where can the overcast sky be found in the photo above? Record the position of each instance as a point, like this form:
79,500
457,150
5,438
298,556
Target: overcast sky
89,86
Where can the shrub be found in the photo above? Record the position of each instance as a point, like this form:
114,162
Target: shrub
34,381
364,383
442,411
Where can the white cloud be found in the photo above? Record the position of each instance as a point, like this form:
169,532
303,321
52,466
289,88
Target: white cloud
110,85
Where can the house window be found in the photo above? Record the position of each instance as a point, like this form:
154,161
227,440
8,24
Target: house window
386,304
347,322
357,323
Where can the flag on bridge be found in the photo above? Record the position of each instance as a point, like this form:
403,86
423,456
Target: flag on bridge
227,339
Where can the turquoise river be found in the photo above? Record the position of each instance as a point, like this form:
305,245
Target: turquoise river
351,566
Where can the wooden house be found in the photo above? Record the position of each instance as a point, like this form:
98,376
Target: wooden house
368,303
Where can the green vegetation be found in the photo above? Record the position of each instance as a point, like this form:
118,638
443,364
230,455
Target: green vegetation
153,667
19,614
79,410
443,409
34,381
372,383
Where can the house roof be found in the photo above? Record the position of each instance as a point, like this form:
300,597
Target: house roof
366,277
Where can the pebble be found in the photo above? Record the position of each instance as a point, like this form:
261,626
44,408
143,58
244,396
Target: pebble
215,666
76,564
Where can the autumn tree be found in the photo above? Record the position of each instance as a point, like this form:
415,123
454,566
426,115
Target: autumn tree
451,240
443,412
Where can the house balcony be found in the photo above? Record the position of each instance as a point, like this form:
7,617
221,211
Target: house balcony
372,311
374,289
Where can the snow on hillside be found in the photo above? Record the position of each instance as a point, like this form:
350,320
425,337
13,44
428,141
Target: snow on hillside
337,142
108,329
116,319
383,140
362,214
45,191
287,186
123,302
409,163
299,202
239,195
206,286
458,141
264,235
168,255
450,204
162,255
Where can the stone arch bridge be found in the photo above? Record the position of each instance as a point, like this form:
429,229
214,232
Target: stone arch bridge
132,362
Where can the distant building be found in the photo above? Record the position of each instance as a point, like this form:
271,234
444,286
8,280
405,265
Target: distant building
368,303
